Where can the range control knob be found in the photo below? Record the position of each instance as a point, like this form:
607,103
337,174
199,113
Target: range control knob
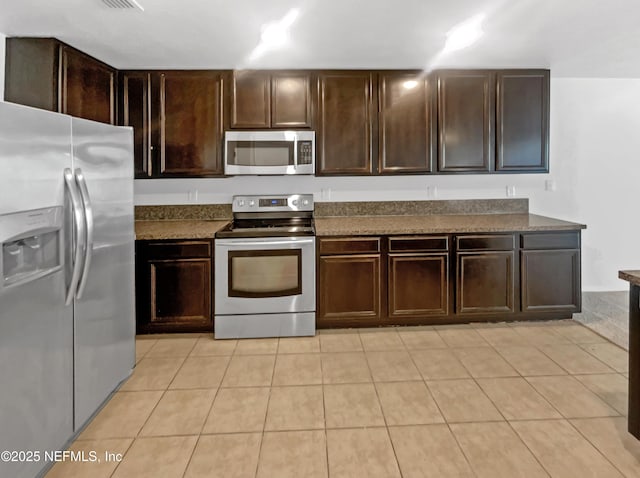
294,202
305,202
252,203
241,202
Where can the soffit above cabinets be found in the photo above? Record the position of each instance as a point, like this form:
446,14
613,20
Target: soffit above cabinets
574,38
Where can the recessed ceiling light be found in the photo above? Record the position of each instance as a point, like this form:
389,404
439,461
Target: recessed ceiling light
464,34
275,34
410,84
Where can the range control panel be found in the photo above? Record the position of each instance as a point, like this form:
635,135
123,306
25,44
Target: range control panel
275,202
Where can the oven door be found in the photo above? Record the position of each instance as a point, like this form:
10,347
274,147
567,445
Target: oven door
265,275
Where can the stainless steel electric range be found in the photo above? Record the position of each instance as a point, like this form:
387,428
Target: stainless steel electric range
265,279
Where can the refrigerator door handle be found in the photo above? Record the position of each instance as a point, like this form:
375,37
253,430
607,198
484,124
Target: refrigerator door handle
80,230
88,217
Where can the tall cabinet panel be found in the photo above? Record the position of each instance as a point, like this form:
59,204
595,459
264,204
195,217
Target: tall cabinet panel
190,124
177,121
346,123
136,112
522,120
405,123
465,120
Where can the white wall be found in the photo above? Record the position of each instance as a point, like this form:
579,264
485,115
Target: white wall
595,164
2,43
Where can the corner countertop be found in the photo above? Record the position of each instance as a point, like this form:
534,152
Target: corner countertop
177,229
430,224
630,276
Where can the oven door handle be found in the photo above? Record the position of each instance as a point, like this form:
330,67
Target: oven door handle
263,243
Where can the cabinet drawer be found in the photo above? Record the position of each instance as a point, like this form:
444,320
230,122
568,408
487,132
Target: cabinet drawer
170,250
346,245
402,244
496,242
554,240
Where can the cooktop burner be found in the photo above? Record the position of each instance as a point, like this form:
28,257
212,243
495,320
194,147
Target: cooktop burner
270,216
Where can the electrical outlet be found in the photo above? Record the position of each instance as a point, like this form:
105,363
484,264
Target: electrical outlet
550,185
193,195
511,191
325,194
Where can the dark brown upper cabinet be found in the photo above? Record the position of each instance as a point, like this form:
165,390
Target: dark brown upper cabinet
466,120
522,120
346,123
46,73
178,122
136,112
405,123
270,99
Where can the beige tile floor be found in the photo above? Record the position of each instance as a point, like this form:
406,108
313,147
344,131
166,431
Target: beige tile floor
506,400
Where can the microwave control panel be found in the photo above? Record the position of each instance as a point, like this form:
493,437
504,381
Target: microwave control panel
305,152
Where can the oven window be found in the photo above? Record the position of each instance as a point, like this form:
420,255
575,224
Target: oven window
260,153
265,273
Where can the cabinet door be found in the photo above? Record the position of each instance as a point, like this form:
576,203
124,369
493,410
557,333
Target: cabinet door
418,285
190,124
180,291
485,282
136,112
465,121
87,87
349,287
290,100
345,125
522,121
550,280
251,99
404,123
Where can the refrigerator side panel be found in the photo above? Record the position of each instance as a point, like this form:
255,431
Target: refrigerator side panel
36,341
104,321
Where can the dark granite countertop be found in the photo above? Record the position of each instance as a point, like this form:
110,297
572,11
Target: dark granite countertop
429,224
630,276
178,229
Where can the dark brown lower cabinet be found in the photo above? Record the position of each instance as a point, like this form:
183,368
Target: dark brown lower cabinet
409,280
550,272
418,285
174,286
350,281
350,287
485,282
418,277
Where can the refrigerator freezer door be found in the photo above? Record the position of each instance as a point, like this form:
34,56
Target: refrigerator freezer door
36,341
104,323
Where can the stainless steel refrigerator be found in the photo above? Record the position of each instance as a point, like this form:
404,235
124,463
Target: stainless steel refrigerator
67,325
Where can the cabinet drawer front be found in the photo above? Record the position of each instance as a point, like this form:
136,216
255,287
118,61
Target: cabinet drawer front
401,244
497,242
554,240
170,250
347,245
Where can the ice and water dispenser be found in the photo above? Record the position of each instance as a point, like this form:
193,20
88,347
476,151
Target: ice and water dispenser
31,245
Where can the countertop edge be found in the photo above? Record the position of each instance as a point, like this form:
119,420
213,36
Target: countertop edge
630,276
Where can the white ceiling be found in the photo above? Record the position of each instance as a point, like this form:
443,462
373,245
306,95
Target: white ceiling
576,38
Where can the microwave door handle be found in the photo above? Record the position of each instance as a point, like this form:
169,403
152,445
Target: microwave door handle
295,152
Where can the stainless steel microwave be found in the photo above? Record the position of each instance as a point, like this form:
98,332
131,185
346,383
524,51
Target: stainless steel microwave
269,152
